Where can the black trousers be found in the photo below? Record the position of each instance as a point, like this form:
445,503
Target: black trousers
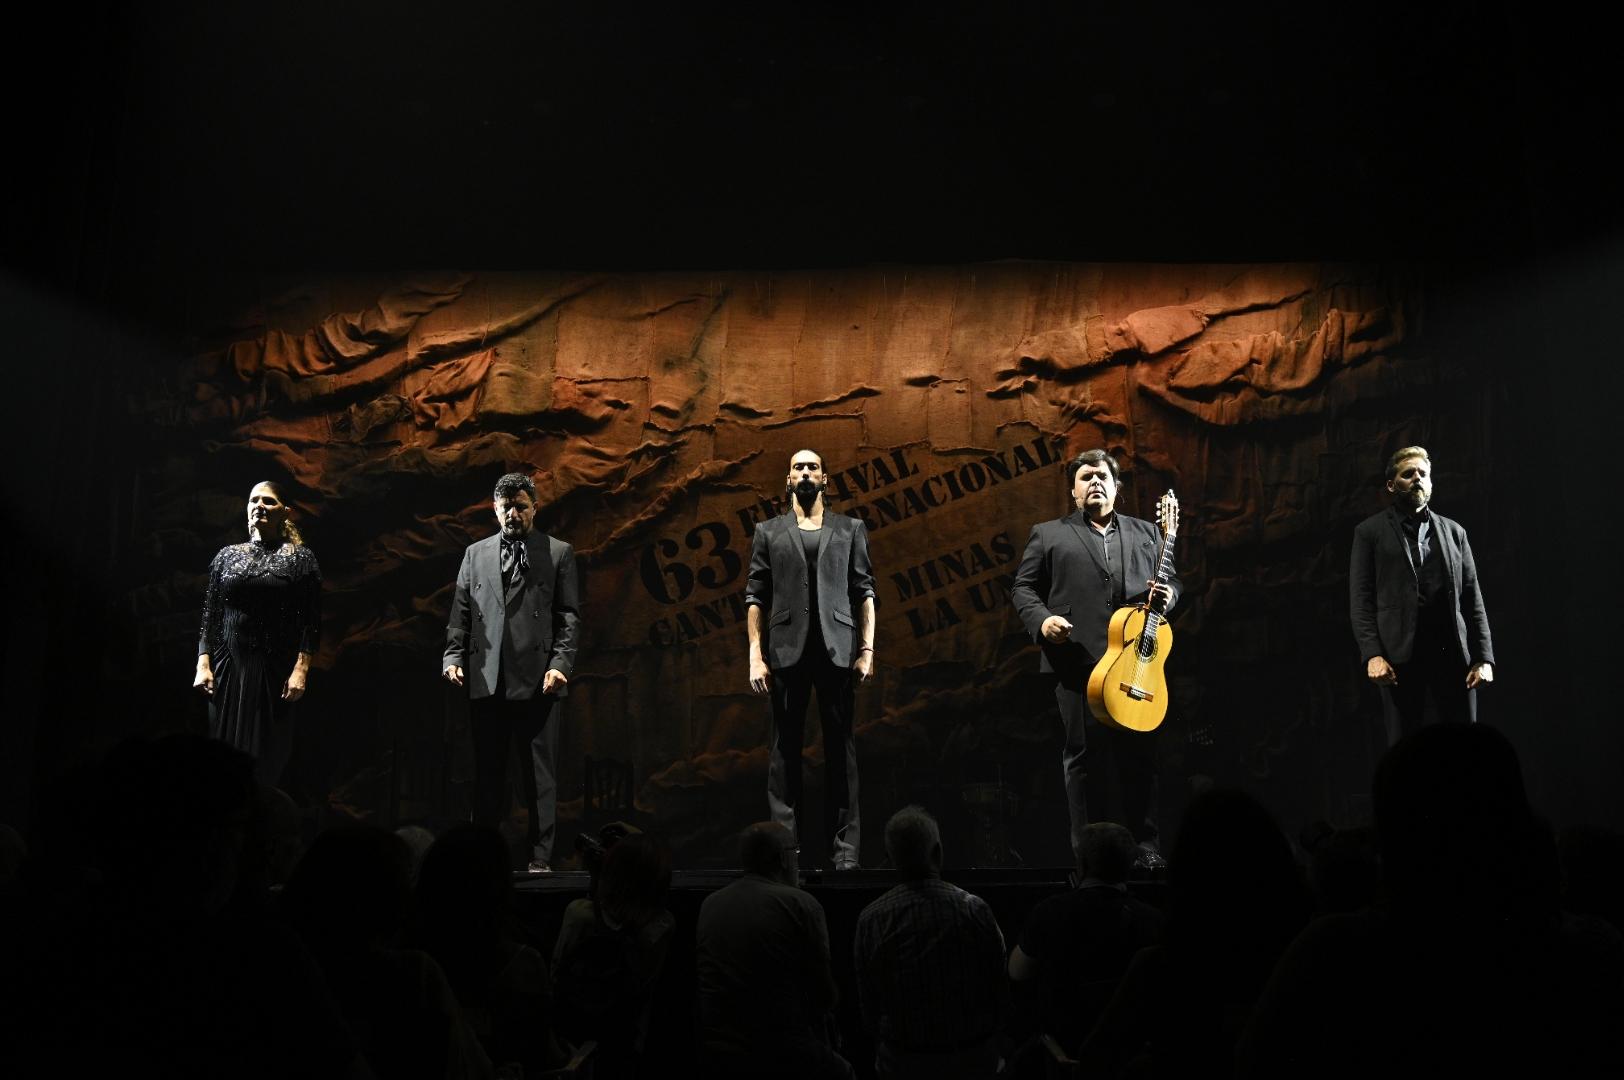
792,689
527,729
1435,670
1110,774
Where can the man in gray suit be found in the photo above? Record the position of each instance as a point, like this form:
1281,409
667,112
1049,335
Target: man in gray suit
1417,609
1076,571
511,641
810,597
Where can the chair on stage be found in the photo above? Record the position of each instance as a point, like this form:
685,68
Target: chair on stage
606,795
606,786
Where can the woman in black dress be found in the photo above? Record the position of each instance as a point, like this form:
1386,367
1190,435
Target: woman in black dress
261,625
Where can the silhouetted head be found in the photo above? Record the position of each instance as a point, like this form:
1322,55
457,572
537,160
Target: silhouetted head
465,877
768,849
1234,887
1452,818
635,878
351,891
914,842
1105,851
183,821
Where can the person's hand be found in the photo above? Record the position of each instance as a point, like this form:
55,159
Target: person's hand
761,679
453,674
1380,672
294,688
204,680
553,681
1478,675
864,665
1161,595
1056,630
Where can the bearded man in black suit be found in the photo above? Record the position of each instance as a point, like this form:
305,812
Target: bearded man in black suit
511,640
1417,609
810,598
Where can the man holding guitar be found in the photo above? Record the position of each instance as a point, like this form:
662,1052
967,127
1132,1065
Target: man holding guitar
1076,572
1417,610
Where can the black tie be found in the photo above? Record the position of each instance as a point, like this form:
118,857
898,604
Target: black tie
515,562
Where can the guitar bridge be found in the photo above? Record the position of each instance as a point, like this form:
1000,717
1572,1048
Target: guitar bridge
1136,693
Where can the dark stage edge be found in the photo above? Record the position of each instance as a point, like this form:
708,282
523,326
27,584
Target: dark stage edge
971,879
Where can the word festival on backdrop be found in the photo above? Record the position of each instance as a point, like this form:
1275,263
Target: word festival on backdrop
670,577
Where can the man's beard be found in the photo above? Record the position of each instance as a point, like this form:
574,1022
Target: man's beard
1415,498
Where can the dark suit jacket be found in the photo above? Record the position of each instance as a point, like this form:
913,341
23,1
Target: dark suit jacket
1060,575
778,583
1382,590
545,626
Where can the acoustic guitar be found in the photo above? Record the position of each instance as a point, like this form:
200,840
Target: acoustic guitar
1128,687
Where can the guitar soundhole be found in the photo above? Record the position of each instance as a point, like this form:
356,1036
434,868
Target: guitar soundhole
1145,646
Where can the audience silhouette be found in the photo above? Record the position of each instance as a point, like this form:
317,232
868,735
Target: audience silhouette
143,942
765,985
349,899
166,918
1235,899
1467,964
611,952
930,965
1075,947
465,922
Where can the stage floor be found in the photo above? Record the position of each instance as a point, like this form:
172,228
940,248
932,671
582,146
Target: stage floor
709,880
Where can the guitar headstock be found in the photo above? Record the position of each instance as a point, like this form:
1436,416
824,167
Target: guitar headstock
1167,514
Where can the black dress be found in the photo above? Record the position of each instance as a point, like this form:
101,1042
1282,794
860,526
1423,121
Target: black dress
261,611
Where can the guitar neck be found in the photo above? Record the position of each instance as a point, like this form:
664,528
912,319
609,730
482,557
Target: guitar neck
1167,516
1164,559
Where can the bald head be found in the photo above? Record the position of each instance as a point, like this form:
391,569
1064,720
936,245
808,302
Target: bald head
768,849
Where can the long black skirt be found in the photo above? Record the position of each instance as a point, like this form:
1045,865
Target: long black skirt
247,710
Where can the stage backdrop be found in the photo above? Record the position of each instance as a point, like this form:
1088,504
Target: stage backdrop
658,412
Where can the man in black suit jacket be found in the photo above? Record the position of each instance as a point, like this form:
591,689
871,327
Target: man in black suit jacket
511,641
1075,573
1417,609
810,597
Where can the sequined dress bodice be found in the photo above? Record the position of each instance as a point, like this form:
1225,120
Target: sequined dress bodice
262,600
